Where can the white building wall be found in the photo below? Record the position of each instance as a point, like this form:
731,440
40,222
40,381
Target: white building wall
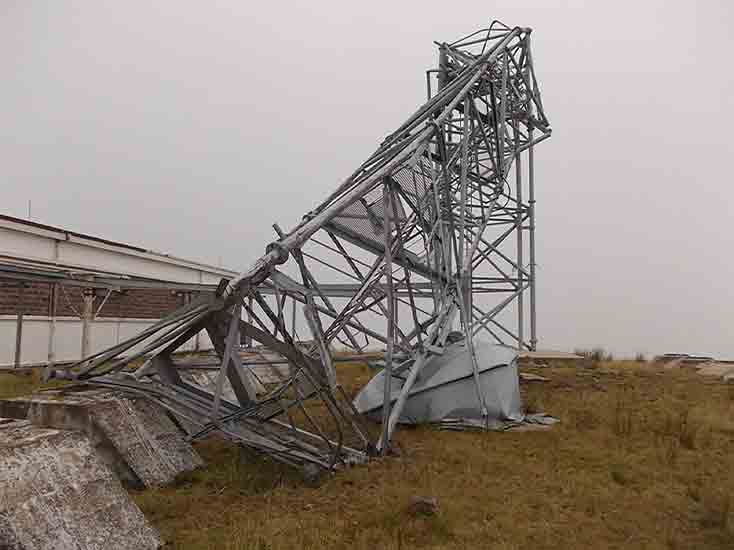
20,240
26,245
105,332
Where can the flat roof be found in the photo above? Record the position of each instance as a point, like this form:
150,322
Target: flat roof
5,217
66,235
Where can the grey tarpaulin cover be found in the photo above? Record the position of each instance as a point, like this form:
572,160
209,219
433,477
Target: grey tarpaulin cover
445,389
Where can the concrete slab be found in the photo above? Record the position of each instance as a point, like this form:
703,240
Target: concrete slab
136,438
207,380
718,370
57,494
549,355
263,367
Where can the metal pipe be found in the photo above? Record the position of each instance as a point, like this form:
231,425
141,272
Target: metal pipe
531,206
519,230
387,397
438,336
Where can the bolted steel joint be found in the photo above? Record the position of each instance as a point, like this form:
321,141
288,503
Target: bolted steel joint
282,251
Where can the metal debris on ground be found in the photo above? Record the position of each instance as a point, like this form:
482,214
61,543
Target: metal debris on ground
446,389
436,229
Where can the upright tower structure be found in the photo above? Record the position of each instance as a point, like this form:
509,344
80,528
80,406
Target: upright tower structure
426,237
494,184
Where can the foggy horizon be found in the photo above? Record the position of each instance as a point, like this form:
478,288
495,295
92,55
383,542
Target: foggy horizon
190,130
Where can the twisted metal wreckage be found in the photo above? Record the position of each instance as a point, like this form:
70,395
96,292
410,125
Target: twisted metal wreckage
426,235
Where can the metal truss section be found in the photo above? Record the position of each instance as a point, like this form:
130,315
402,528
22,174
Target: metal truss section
433,233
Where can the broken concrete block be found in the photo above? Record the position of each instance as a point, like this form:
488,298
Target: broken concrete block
257,374
718,370
207,380
136,438
57,494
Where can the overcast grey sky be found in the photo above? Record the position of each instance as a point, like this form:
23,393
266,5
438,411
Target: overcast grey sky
190,127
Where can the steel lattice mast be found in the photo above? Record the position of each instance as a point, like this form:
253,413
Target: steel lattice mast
426,236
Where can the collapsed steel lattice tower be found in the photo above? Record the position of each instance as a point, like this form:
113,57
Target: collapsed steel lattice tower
425,237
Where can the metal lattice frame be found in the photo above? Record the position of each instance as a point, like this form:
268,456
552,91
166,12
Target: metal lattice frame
425,237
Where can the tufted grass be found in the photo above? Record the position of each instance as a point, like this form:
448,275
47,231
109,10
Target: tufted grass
642,459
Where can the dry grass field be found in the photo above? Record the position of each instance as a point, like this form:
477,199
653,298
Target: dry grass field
642,458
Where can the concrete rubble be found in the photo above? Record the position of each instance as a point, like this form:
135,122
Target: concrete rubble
724,371
705,366
261,365
530,377
137,439
58,494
